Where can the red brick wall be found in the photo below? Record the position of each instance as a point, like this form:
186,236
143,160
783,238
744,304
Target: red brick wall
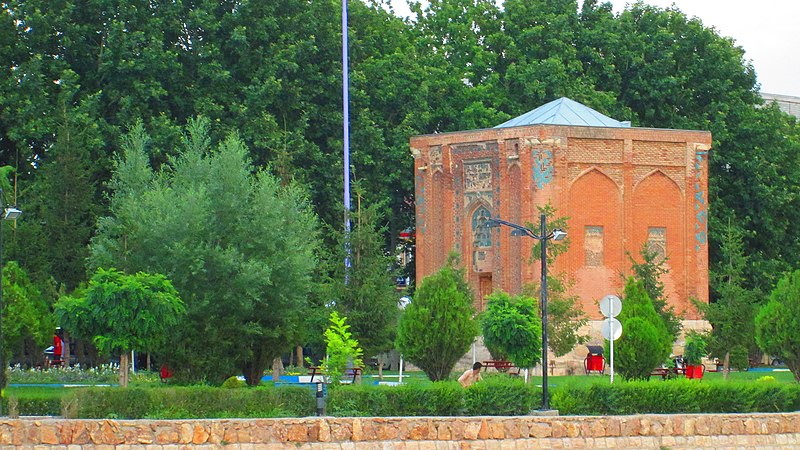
623,179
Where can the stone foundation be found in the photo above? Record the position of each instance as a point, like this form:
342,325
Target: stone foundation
764,431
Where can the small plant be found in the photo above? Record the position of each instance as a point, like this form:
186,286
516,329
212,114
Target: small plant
233,383
695,349
766,379
341,349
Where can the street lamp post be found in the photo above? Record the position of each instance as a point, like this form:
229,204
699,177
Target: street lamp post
9,213
543,236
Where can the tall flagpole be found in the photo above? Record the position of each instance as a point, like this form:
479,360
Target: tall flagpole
346,121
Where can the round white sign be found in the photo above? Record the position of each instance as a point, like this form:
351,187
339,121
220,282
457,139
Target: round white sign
610,305
611,329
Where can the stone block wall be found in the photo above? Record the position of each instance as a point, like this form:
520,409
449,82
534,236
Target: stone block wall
698,431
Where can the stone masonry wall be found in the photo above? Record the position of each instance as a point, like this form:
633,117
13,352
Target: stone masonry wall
699,431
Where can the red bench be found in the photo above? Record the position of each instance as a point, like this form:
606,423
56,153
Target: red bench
501,366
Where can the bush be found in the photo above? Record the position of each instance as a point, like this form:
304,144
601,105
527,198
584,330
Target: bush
437,328
501,396
676,397
438,399
190,402
233,383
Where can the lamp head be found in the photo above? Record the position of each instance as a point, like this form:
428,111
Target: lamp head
11,213
559,235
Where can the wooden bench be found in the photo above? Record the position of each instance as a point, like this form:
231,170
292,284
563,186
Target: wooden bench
354,372
501,366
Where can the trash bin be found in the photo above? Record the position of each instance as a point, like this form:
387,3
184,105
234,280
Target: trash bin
594,361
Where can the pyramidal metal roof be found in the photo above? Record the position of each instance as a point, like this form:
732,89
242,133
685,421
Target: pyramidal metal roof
564,112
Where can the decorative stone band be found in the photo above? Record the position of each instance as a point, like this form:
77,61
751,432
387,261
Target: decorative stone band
642,431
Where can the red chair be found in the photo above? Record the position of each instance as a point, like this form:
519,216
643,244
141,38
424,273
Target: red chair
594,361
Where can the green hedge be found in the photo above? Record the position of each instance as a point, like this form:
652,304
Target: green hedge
31,406
189,402
493,396
676,396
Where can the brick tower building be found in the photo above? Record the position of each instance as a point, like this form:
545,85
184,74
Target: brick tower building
621,188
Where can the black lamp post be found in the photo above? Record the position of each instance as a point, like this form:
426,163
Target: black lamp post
543,236
9,213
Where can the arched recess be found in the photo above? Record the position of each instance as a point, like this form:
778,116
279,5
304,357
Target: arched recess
596,251
481,238
658,221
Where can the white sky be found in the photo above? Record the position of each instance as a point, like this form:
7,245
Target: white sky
767,30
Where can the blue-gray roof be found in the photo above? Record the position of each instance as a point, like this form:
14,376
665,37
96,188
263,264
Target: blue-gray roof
564,112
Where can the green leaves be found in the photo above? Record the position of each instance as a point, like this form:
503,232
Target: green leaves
512,326
240,247
777,323
437,328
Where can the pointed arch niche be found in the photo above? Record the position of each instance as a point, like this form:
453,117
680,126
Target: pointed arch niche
596,232
658,221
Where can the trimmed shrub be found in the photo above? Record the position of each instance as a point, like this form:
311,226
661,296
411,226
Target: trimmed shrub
675,397
439,399
437,328
233,383
190,402
501,396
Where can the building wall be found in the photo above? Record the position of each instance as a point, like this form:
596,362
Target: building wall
621,188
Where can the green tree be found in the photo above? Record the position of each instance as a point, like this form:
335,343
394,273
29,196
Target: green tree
645,342
365,291
342,348
565,317
27,318
239,246
649,272
777,323
513,326
732,333
437,328
123,313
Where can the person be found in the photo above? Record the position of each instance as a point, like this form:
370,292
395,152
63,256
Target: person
471,375
58,347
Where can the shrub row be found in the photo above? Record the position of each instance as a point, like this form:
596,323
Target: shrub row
28,406
493,396
676,396
188,402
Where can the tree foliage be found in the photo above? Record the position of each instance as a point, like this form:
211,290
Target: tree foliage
364,291
649,272
645,342
513,326
777,323
123,313
732,333
342,349
438,327
240,248
78,73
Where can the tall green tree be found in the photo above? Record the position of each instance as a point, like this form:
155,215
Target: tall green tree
565,317
777,323
239,247
364,290
649,271
28,322
123,313
438,327
732,331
